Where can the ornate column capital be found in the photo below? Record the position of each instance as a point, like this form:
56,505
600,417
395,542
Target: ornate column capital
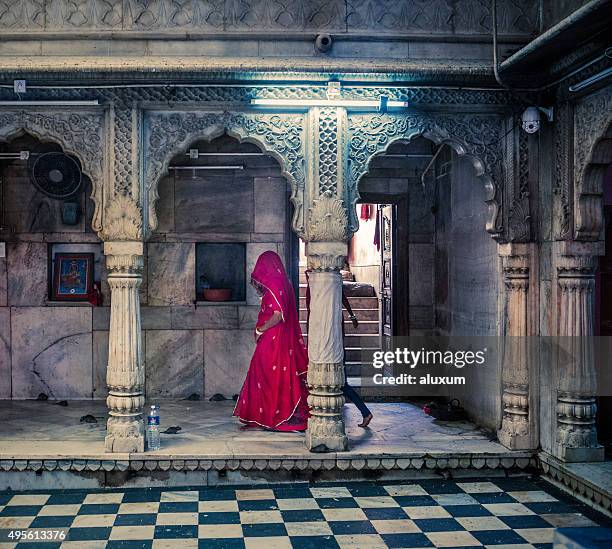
122,220
124,258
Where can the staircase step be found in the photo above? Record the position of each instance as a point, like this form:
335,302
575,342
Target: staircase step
365,327
361,314
358,368
353,354
303,286
356,302
366,341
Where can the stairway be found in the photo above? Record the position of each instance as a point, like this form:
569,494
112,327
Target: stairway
365,336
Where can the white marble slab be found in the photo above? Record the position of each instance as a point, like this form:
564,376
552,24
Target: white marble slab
227,355
100,362
51,352
27,273
5,352
174,363
171,273
270,204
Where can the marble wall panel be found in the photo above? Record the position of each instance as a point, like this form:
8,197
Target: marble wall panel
222,317
213,204
27,273
165,205
3,283
51,352
144,283
247,317
100,362
100,318
156,318
171,273
421,273
270,204
227,355
5,352
174,363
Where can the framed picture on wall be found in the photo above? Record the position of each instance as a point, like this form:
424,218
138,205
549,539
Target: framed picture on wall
72,276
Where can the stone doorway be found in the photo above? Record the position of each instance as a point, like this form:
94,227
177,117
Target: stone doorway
440,286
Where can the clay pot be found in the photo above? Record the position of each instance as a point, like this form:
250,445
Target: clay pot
217,294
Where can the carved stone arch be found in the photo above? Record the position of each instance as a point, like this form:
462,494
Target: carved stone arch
477,137
593,155
168,133
79,133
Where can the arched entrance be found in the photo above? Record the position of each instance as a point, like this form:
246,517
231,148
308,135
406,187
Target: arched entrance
51,271
221,204
438,266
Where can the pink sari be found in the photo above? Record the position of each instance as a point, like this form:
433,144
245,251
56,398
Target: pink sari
274,392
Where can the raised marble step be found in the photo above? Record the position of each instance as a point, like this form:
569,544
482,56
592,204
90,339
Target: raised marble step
364,327
356,302
361,314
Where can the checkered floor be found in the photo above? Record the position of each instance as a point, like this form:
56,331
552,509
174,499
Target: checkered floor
513,513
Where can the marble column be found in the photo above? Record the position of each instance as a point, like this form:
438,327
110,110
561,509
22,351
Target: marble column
125,373
517,427
325,378
576,434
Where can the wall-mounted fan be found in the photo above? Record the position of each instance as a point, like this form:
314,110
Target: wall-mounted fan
55,174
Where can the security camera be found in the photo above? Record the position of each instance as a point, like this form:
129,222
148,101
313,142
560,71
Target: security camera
531,118
323,43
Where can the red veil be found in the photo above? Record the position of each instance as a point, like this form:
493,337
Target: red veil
274,392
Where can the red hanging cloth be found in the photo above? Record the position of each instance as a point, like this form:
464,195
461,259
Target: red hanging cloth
377,232
366,212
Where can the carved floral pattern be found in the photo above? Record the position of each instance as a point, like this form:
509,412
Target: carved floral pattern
354,16
122,219
476,136
592,145
519,211
280,135
328,219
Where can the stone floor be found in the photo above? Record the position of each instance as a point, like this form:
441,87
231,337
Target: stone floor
31,429
509,513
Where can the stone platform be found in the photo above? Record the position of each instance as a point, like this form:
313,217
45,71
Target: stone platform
45,444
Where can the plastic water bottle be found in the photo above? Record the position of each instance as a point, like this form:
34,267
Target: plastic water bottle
153,442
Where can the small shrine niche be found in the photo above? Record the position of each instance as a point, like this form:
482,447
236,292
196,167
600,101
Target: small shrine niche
221,271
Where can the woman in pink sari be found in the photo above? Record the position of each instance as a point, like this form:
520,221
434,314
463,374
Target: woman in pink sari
274,392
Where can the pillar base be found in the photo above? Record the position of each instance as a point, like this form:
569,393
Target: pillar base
326,435
580,455
124,437
512,441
